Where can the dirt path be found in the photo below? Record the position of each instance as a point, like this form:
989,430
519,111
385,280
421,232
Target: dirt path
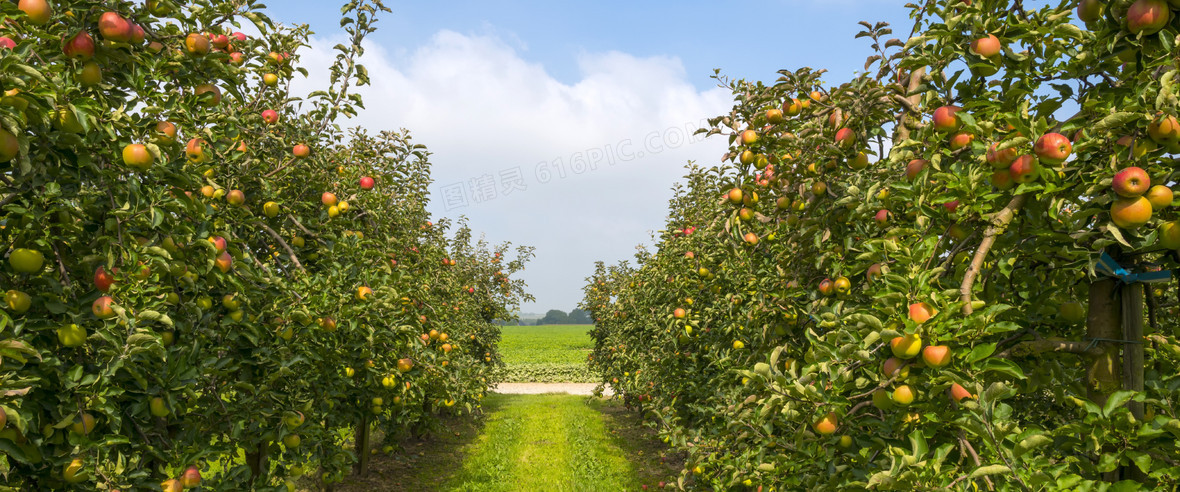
584,389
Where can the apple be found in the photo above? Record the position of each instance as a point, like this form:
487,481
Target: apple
749,137
1053,148
224,262
873,272
103,279
80,46
9,145
842,285
194,150
1131,182
903,395
404,365
960,140
301,151
270,209
1164,129
191,477
920,312
750,238
235,197
958,393
90,75
946,120
113,27
137,156
845,137
826,287
208,95
293,420
328,198
137,33
735,196
219,243
827,424
73,472
363,293
1090,10
71,335
158,407
7,42
1000,159
986,47
1130,213
1002,179
196,44
83,424
219,41
101,307
936,355
894,367
1147,16
1024,169
1169,235
1160,197
18,302
37,10
906,347
292,441
25,260
882,217
270,116
270,79
914,168
774,116
366,183
882,399
1072,311
859,162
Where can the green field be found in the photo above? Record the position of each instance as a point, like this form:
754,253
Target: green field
547,353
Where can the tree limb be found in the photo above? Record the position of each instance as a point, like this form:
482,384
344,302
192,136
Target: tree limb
999,223
277,237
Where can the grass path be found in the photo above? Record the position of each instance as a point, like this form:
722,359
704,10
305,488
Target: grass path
551,442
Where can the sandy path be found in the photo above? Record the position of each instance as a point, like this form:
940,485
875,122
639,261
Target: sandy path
538,388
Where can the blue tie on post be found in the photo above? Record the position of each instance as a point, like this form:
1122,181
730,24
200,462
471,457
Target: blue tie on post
1107,266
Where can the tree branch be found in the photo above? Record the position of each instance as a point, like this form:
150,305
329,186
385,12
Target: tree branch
277,237
999,223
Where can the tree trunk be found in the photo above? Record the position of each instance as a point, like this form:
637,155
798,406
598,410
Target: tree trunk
362,446
257,461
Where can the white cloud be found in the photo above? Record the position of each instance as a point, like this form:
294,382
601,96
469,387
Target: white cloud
482,108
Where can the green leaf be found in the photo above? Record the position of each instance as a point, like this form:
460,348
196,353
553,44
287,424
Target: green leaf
981,352
989,470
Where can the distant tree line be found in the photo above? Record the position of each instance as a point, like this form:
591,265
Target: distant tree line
556,317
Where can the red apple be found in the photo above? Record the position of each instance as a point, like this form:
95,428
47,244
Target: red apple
113,27
101,307
224,262
1147,16
1130,213
1002,180
1131,182
1024,169
300,151
958,393
103,279
270,116
946,120
914,168
845,137
951,206
826,287
960,140
1053,148
1000,159
873,272
241,37
328,198
366,183
7,42
936,355
882,217
219,243
37,10
920,312
191,477
80,46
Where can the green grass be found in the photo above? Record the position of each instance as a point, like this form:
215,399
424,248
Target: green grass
546,442
547,353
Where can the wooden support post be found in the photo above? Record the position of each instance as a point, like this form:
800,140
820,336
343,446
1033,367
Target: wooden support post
1104,322
1133,358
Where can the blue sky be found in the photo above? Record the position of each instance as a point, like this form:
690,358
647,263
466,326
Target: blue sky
563,126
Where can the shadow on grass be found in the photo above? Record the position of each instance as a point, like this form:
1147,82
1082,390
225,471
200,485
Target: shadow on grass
651,459
422,464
